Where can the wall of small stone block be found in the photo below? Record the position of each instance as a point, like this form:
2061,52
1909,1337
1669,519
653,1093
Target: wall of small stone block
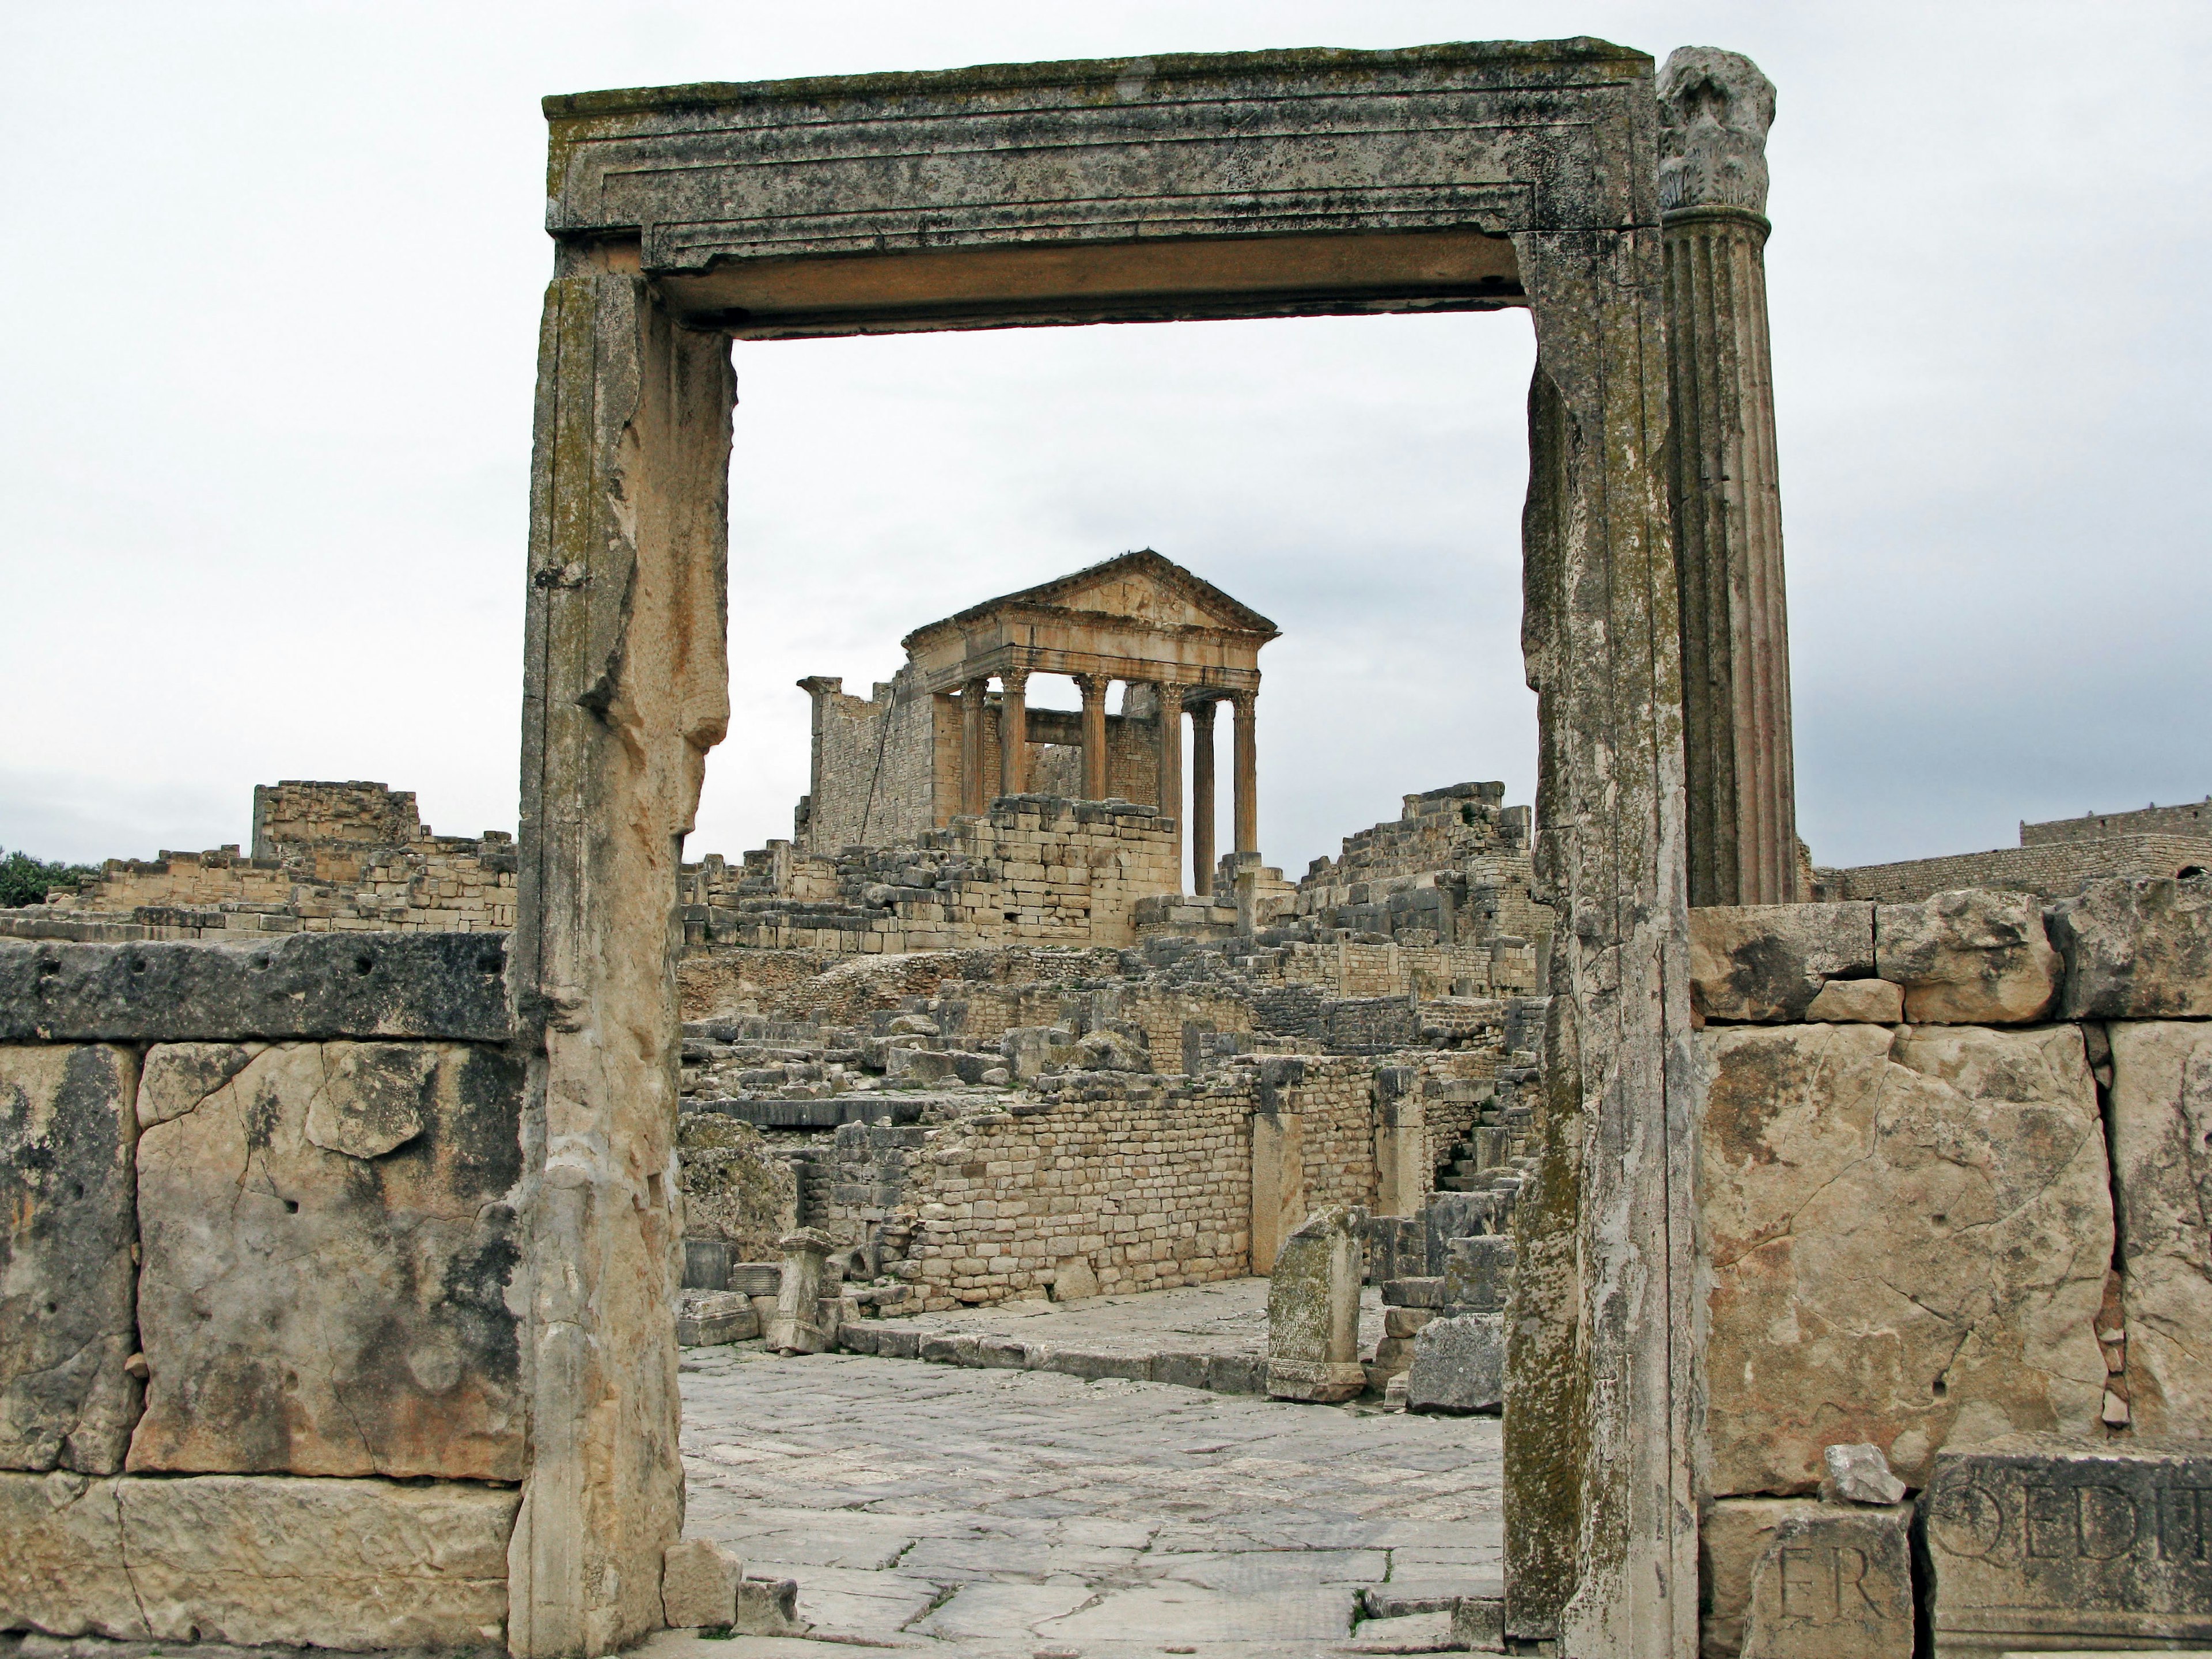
2052,869
259,1211
873,776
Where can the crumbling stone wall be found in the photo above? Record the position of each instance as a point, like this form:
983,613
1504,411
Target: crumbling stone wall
1034,869
302,815
2050,869
259,1222
2193,820
871,777
1921,1123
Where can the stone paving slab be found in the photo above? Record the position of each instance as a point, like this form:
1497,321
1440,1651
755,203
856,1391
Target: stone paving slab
1006,1514
1227,1316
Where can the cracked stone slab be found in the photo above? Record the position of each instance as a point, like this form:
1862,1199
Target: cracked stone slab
2162,1099
329,1238
1910,1235
255,1559
68,1226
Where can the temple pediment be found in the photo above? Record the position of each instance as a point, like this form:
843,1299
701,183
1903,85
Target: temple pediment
1140,588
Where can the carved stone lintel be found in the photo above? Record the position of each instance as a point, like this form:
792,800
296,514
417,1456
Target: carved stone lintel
1714,107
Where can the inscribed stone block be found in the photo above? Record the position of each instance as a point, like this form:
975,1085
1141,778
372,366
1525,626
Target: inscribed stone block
1969,957
2036,1543
68,1225
2135,950
1910,1236
2162,1117
1833,1580
1767,962
316,1311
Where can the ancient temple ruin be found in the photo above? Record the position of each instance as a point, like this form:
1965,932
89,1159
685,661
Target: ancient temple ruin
936,741
1857,1249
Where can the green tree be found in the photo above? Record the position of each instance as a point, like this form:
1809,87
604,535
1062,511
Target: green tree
25,880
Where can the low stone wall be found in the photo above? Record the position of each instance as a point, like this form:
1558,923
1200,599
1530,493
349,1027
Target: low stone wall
2052,869
257,1225
1953,1160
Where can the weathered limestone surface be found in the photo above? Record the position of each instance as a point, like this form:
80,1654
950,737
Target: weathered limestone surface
1313,1311
2036,1543
1459,1364
1969,958
2161,1126
2135,950
253,1560
67,1281
1832,1582
625,689
1768,962
1858,1002
798,1326
1732,1534
299,985
1908,1235
328,1239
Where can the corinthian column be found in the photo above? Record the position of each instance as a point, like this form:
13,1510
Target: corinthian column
1714,110
1014,732
1169,793
1094,688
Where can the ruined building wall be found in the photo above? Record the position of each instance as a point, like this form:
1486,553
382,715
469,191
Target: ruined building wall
871,778
300,814
2194,820
1912,1200
2051,869
258,1209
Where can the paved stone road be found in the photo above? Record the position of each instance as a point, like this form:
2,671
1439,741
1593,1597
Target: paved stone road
1018,1513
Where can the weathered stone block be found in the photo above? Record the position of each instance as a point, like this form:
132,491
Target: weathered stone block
698,1584
1316,1382
1313,1308
2161,1122
1478,1274
295,986
311,1309
707,1319
1969,957
1858,1002
798,1326
1832,1582
1767,962
1909,1241
1732,1534
256,1559
2034,1543
768,1607
68,1228
1459,1365
2135,950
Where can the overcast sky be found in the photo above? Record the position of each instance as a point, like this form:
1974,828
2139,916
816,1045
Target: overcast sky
270,294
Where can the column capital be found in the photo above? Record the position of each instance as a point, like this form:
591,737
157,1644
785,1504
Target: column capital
1092,683
1014,680
1715,108
1241,698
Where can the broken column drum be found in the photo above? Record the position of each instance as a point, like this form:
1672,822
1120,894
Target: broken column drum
1715,110
1518,174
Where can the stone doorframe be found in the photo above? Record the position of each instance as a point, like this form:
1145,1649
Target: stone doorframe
1272,184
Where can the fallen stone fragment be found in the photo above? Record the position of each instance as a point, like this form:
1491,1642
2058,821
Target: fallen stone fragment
707,1319
1969,958
1859,1474
1478,1623
1459,1365
1767,962
2135,950
698,1584
768,1607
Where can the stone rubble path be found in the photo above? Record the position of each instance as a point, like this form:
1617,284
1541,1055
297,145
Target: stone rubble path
1009,1513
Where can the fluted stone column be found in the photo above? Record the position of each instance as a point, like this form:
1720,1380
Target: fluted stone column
1169,794
1201,799
1247,764
1094,688
1014,732
971,745
1715,109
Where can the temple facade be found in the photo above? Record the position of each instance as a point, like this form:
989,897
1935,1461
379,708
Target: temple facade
952,730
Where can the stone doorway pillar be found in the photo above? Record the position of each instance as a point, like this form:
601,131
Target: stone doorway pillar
1247,763
1715,109
625,687
1170,697
1014,732
1201,798
1094,688
971,746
